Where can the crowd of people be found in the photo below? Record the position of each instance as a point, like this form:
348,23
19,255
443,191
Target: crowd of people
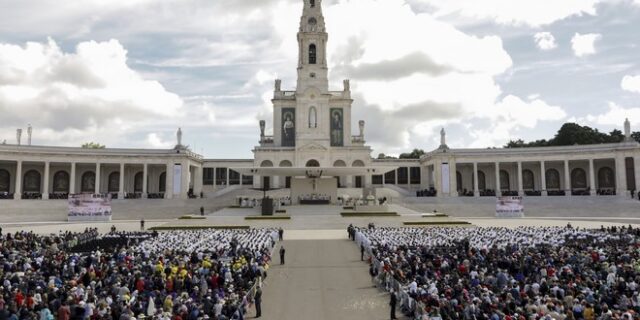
501,273
204,274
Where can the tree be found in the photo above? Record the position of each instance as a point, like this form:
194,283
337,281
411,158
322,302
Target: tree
92,145
384,156
572,134
636,136
415,154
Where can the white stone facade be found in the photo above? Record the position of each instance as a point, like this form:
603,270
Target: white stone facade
318,139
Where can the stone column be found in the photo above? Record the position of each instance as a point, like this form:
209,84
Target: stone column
543,179
384,180
168,186
72,178
437,177
592,178
567,178
621,177
409,176
520,187
395,172
215,186
453,179
45,189
197,184
349,181
636,166
145,178
17,192
497,171
97,185
476,190
121,182
367,180
186,175
227,185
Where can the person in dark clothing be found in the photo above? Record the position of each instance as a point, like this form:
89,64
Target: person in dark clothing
280,234
392,304
257,299
142,224
361,252
202,211
282,254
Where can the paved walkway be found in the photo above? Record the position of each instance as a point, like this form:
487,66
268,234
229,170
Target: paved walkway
322,279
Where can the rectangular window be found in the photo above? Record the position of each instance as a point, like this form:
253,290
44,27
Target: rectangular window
221,176
376,179
390,177
403,175
416,175
234,178
247,180
207,176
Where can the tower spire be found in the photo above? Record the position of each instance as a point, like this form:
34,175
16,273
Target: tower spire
312,48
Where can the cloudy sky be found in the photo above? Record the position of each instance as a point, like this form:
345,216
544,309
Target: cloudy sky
127,73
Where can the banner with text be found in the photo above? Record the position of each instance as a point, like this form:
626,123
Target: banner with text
89,207
509,207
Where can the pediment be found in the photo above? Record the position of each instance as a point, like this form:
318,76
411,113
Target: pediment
312,147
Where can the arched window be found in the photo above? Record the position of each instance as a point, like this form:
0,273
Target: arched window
137,182
504,180
339,163
482,183
32,181
606,178
312,54
266,164
61,182
88,182
114,182
527,179
358,163
313,117
578,179
162,182
553,179
312,163
286,163
5,180
312,3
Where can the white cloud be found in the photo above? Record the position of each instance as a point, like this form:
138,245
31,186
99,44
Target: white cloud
545,40
155,141
615,116
584,44
534,13
631,83
87,92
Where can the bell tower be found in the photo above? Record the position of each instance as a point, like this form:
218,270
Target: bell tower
312,49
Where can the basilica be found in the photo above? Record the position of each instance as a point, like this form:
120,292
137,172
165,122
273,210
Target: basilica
316,140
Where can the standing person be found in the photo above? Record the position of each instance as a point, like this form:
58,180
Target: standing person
202,211
257,299
361,252
392,303
282,254
64,312
142,224
280,233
